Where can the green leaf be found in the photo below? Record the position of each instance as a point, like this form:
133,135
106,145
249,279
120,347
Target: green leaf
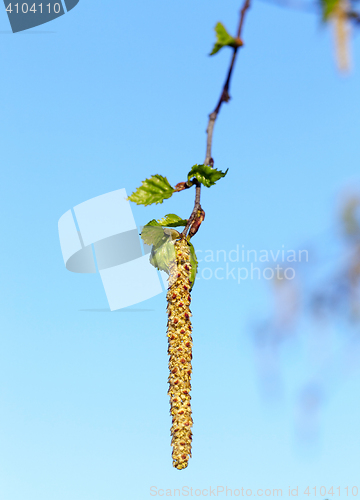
328,7
153,222
162,241
164,251
162,255
154,234
153,190
194,264
206,174
223,39
172,220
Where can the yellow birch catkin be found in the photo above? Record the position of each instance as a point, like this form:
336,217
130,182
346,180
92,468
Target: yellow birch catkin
180,353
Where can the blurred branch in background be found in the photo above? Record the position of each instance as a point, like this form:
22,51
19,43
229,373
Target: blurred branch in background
315,321
341,14
341,22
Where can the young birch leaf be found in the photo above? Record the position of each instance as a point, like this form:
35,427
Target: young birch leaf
328,8
206,174
153,222
172,220
194,264
153,190
162,241
171,233
162,255
161,235
154,234
223,39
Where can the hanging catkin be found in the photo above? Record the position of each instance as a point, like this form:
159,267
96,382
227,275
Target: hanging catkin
180,353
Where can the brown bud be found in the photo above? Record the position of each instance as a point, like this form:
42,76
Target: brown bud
200,216
180,186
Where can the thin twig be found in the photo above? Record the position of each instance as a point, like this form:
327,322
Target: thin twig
225,97
301,5
196,206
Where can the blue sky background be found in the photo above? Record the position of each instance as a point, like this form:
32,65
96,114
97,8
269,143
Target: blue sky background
98,100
